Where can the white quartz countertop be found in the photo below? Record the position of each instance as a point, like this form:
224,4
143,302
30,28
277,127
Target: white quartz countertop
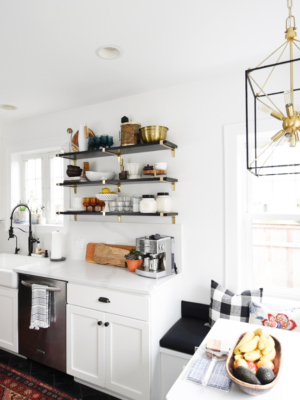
81,272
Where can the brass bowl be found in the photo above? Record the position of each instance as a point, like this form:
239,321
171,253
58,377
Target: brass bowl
153,133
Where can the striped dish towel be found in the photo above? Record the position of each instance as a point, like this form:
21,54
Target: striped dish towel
40,307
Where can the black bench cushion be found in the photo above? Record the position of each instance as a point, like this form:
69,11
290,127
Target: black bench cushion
184,335
195,310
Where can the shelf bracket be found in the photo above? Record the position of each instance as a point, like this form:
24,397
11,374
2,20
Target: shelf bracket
75,218
168,147
104,150
120,218
75,189
155,173
119,187
174,186
103,182
75,161
173,219
103,213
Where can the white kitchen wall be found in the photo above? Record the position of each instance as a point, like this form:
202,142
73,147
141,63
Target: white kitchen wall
1,173
195,114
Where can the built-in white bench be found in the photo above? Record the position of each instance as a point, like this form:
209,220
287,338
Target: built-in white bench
178,345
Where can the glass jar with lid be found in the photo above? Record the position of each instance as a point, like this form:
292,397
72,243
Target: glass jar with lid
164,202
148,204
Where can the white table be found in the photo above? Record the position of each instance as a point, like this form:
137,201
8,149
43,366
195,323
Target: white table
229,331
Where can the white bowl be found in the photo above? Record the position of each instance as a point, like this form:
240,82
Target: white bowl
161,165
106,196
99,176
134,169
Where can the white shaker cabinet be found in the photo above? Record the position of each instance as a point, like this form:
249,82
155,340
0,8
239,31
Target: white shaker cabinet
113,337
85,344
9,319
127,358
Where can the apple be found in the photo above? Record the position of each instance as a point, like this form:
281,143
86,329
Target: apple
253,367
265,363
240,363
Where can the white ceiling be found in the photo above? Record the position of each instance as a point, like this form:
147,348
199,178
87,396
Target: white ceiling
47,48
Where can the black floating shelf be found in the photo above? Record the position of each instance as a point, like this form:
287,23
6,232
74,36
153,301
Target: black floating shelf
165,179
120,150
134,214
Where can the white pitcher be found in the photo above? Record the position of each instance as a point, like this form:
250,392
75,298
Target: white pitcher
83,142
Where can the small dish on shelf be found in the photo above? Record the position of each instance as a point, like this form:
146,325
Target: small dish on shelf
106,196
98,176
151,172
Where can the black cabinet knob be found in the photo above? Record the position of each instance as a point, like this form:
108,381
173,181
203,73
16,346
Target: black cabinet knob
99,323
104,300
106,324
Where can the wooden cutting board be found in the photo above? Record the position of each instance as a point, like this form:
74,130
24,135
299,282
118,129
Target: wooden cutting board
107,255
90,250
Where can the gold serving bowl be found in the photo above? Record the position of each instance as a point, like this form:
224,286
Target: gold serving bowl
153,133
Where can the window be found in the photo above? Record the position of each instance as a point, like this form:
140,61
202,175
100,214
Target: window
262,224
42,173
273,223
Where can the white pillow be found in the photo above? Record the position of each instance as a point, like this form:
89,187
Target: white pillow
287,319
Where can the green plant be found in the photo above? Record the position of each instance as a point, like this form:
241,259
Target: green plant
22,208
134,255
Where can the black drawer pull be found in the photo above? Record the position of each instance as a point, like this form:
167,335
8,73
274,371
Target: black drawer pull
99,323
106,324
104,300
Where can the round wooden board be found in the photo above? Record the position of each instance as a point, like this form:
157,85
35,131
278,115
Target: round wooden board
75,146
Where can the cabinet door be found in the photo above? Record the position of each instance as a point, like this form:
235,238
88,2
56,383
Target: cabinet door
85,344
9,319
127,357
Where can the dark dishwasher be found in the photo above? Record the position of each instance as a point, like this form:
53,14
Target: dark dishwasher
46,346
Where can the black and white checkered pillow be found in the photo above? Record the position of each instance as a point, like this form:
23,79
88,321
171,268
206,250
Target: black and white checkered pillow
227,305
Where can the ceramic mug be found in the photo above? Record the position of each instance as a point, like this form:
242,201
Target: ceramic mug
78,203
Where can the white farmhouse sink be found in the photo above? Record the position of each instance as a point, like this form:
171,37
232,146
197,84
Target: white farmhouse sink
8,262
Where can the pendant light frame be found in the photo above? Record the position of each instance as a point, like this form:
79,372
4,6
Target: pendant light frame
265,162
255,166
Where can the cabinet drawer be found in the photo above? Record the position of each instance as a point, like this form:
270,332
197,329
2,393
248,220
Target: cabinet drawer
126,304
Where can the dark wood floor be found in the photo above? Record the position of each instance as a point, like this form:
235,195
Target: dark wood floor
53,377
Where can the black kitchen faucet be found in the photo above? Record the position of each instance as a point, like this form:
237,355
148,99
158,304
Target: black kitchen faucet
31,239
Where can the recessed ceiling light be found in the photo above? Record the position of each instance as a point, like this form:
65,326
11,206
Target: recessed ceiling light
8,107
109,52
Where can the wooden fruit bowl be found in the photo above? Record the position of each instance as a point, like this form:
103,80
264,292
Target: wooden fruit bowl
248,388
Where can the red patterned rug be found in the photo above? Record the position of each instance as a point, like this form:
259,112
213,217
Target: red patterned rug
15,385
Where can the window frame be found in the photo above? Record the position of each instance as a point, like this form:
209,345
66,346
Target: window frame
45,176
238,221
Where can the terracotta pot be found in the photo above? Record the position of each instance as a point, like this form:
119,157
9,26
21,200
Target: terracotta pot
134,264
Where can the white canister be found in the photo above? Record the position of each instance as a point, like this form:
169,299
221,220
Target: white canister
83,141
164,202
148,204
